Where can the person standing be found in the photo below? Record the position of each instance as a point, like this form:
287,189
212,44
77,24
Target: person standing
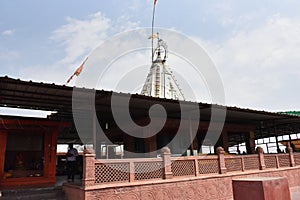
71,162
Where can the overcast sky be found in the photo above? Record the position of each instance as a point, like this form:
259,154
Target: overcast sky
254,44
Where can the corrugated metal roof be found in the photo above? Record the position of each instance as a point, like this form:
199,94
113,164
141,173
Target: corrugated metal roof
43,96
294,113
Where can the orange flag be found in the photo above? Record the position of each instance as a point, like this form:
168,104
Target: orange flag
78,70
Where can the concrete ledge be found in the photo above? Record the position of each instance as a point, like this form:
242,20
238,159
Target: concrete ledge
261,188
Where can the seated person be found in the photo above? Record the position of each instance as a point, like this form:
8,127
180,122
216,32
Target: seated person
19,162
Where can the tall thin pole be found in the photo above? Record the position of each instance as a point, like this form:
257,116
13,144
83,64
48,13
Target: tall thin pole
153,29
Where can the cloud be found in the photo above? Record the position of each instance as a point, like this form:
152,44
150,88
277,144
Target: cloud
135,5
260,67
123,23
79,37
8,32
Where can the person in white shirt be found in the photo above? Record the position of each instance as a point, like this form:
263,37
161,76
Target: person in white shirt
71,162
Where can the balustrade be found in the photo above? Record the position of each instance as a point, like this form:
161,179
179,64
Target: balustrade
98,171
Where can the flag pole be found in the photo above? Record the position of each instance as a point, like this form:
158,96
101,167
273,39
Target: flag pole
152,29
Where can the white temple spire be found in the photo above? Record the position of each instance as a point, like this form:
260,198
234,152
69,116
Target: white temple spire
160,81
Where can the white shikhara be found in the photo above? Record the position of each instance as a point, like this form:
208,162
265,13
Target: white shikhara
160,81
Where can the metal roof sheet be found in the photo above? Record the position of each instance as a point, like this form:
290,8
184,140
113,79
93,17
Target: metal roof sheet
43,96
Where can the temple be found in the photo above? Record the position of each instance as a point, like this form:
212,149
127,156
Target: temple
29,152
153,145
160,81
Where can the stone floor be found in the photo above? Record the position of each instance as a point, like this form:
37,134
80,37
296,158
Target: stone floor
63,179
45,193
295,193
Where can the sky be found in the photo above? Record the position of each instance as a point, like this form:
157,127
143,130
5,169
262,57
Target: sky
254,44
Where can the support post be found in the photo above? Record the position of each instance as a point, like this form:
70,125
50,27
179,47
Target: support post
276,138
166,157
225,140
88,168
252,142
289,150
261,158
3,138
94,131
129,148
191,136
221,159
150,144
52,153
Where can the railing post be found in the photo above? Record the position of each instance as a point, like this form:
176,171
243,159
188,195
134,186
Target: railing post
243,163
131,171
166,157
196,167
88,168
221,160
261,158
277,161
289,149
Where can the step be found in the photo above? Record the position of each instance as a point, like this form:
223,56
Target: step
49,193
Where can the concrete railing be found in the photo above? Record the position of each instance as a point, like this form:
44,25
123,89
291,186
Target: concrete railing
97,172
